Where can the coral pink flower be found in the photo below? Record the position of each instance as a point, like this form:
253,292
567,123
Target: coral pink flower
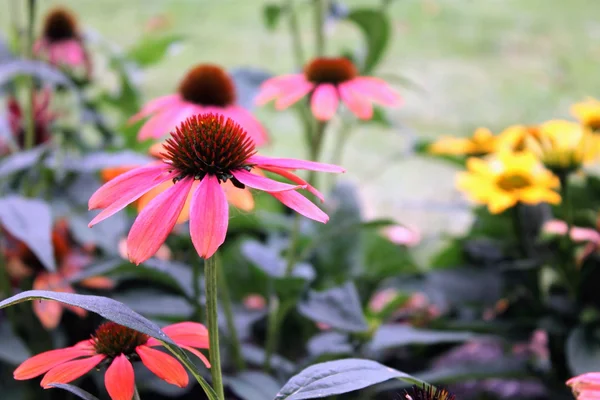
586,386
402,235
206,88
61,43
204,152
329,80
115,346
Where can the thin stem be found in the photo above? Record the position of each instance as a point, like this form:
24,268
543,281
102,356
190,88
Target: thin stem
338,149
316,148
566,202
566,259
30,127
519,229
234,339
136,394
212,319
295,33
272,329
320,12
196,291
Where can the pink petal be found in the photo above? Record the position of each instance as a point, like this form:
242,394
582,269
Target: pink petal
195,352
273,87
156,221
119,379
261,183
301,204
555,226
185,334
254,128
163,365
167,119
294,178
292,163
378,91
69,371
584,235
324,102
45,361
355,101
154,106
293,92
117,193
209,217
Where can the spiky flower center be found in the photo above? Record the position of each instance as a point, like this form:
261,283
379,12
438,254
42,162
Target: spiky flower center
60,24
330,70
513,181
209,144
112,339
208,85
428,393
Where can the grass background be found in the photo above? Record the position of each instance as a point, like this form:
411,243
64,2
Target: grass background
472,63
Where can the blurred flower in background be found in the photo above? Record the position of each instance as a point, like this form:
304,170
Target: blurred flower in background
482,142
586,386
588,113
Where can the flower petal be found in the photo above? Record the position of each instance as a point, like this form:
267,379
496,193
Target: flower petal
293,93
377,90
209,216
117,193
156,221
43,362
262,183
272,88
195,352
191,334
69,371
163,365
355,101
296,179
249,122
119,379
324,102
292,163
154,106
301,204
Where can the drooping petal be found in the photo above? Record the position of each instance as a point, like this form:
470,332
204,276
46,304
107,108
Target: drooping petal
163,365
249,122
272,88
296,179
324,102
292,163
209,217
116,194
48,312
302,205
293,93
201,356
356,102
191,334
71,370
261,183
154,106
43,362
156,221
119,379
378,91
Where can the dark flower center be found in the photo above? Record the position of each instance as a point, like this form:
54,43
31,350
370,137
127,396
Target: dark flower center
428,393
594,124
512,182
112,339
60,24
330,70
208,85
209,144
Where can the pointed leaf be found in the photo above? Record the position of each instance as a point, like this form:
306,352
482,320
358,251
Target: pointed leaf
376,29
392,336
21,160
12,348
253,385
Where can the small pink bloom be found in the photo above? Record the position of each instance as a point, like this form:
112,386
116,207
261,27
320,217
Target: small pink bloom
115,346
329,81
255,302
586,386
402,235
206,88
381,299
205,151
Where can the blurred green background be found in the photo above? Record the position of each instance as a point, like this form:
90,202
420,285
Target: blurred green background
469,63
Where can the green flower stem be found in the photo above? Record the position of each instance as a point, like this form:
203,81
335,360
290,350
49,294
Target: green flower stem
320,12
196,291
136,394
520,233
30,126
272,328
566,262
234,340
566,202
212,319
342,139
295,33
315,148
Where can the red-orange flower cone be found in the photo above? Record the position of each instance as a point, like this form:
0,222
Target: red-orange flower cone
116,347
330,80
204,152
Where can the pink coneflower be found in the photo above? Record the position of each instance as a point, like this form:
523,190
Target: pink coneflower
586,386
206,88
116,346
329,80
61,43
205,151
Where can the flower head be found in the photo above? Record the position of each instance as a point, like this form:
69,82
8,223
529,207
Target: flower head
329,80
116,347
61,42
205,88
517,137
586,386
507,179
588,113
426,392
482,142
203,153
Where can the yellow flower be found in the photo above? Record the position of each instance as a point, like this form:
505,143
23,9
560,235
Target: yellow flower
507,179
482,142
515,137
588,113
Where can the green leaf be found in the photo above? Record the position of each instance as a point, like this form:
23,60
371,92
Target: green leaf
119,313
21,160
253,385
152,49
422,147
392,336
271,15
12,348
82,394
583,350
376,29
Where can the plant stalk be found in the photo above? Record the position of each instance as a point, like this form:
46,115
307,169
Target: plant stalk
295,33
196,292
212,319
320,12
30,109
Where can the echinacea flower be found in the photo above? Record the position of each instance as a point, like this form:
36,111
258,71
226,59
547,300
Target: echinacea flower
61,43
588,113
482,142
116,346
205,151
427,392
589,236
206,88
507,179
22,263
586,386
329,81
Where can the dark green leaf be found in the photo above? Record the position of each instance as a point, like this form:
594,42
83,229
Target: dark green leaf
583,350
21,160
271,14
376,29
12,348
329,343
253,385
392,336
338,307
82,394
336,377
152,49
30,221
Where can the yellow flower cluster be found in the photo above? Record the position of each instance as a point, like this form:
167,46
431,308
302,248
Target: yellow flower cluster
522,164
